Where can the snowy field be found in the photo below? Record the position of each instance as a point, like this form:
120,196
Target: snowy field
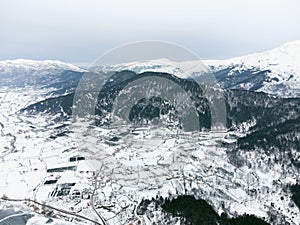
121,166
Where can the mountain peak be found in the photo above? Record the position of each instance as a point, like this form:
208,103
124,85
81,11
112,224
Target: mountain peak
37,64
276,71
292,44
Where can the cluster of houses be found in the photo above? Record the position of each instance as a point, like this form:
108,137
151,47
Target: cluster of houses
70,179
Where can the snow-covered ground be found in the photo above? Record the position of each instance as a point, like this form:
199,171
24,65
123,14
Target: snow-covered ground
87,170
142,163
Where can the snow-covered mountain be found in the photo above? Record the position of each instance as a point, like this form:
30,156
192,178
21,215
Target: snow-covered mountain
184,69
276,71
23,72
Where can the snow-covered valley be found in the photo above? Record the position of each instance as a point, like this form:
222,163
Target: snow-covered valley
66,171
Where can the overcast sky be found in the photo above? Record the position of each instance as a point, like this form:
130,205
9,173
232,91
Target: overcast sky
83,30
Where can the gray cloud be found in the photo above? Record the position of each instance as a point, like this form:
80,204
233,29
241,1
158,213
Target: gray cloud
83,30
